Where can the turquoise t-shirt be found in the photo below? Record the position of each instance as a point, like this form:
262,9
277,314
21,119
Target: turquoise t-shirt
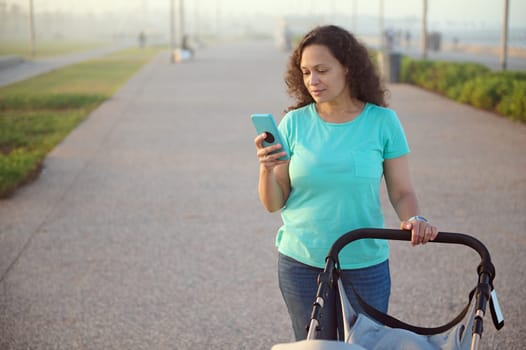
335,172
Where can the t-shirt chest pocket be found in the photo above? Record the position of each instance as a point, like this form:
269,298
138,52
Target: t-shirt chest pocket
367,163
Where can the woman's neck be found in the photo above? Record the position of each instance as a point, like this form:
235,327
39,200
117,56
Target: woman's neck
340,112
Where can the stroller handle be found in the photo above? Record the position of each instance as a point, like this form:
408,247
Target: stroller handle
404,235
486,272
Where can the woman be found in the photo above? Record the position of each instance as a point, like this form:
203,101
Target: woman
342,140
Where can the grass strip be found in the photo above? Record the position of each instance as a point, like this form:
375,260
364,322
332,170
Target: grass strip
36,114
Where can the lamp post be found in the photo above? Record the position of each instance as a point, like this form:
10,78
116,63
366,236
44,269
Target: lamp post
504,37
354,16
181,23
32,29
381,25
218,17
423,39
176,30
172,32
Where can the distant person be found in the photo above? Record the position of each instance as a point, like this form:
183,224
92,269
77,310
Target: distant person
455,42
408,39
389,39
283,36
142,39
343,141
186,46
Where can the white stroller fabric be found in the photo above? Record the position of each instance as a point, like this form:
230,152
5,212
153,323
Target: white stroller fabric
363,333
361,330
317,344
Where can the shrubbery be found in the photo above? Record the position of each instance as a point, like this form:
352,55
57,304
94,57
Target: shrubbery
471,83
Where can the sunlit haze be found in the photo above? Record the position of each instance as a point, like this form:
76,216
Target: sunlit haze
464,11
466,19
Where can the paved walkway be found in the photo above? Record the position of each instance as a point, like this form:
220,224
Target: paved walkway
145,232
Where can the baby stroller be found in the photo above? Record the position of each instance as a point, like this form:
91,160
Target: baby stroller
374,330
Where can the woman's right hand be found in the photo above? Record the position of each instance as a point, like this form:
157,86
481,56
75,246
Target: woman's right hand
274,182
266,158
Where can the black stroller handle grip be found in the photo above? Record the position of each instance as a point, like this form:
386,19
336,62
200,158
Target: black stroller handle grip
405,235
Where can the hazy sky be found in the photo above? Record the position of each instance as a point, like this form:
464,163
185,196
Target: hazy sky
489,12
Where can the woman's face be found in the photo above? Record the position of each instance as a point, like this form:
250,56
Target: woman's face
323,75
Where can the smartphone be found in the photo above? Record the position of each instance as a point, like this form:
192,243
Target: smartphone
264,123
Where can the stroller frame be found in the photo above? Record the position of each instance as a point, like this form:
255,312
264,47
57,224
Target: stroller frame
484,291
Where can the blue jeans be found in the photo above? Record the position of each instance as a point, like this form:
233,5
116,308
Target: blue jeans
298,285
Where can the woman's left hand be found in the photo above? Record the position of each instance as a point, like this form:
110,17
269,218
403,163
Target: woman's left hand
421,231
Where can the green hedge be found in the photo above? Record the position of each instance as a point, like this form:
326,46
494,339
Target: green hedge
471,83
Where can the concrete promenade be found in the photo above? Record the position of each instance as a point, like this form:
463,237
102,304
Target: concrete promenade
144,230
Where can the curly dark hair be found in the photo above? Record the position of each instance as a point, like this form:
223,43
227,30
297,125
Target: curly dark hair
362,78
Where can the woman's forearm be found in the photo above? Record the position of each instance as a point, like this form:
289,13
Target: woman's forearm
406,206
270,192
